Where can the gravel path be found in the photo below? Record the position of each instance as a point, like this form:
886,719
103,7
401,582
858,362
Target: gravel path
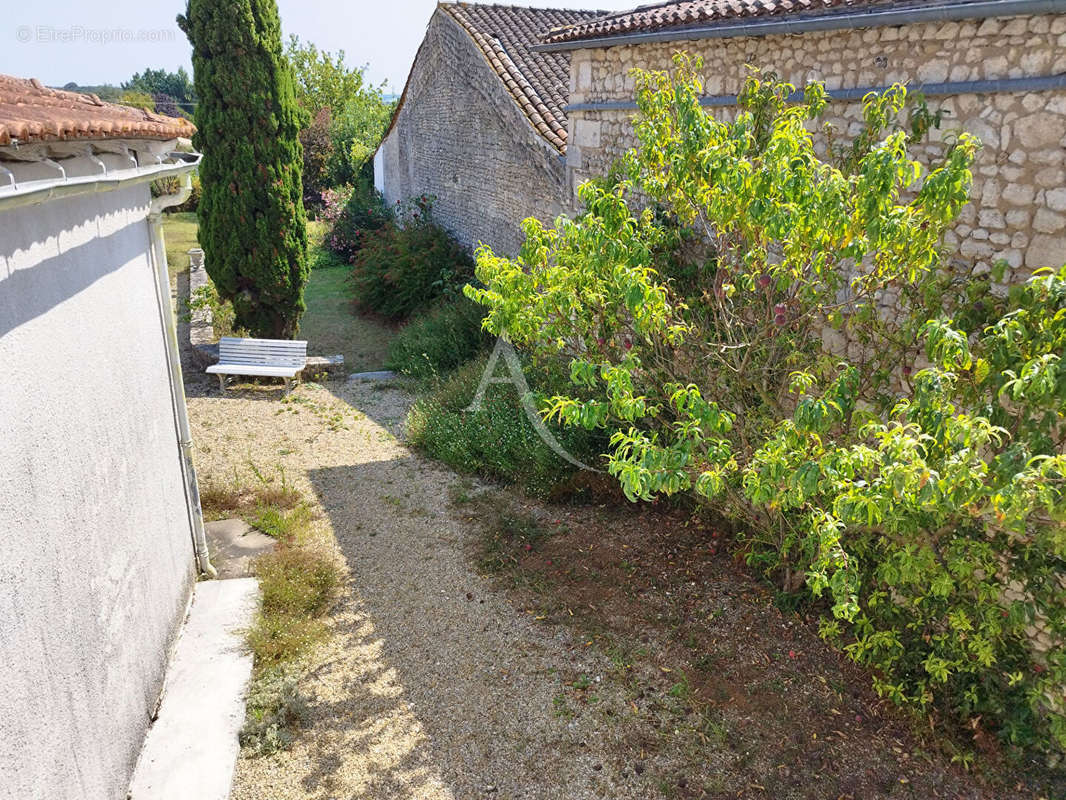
432,686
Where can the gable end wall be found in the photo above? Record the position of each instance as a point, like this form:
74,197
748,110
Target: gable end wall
460,137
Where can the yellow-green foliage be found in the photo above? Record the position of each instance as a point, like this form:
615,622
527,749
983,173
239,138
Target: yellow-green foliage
929,508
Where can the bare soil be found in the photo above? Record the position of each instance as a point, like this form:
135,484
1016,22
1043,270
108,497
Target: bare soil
723,693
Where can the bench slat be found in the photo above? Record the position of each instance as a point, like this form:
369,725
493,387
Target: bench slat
284,342
266,372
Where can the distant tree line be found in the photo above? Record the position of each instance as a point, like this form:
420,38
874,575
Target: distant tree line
156,90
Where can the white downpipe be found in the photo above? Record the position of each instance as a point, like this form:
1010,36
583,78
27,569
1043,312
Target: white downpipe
177,385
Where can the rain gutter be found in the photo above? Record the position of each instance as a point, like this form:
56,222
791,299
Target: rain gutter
35,192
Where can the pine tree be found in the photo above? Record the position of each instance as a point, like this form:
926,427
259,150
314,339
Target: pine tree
252,222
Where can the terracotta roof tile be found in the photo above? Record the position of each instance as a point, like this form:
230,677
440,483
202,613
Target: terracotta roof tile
680,14
30,112
539,82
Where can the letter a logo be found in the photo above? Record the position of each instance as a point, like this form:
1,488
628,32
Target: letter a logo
525,396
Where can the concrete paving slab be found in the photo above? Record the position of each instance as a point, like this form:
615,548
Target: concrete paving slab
192,747
379,375
233,545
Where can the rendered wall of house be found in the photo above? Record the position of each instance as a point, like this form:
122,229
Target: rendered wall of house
460,137
1019,195
96,559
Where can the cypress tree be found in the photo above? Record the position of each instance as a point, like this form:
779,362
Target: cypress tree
252,222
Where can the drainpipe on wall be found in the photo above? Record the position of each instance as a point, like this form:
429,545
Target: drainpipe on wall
37,192
177,384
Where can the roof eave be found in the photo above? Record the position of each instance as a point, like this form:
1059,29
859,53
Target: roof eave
869,18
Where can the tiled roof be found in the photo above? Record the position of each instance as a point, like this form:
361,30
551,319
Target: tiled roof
539,82
30,112
681,14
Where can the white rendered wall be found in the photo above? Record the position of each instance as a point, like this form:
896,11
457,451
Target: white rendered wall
96,559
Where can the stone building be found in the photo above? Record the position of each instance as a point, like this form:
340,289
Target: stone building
481,124
998,70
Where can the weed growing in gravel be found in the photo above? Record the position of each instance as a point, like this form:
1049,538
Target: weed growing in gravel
298,582
334,416
275,708
281,524
220,500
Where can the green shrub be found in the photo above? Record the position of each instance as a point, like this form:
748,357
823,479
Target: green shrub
498,441
440,340
407,266
350,214
928,508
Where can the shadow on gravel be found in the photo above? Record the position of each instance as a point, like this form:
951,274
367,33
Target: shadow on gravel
368,741
460,685
708,690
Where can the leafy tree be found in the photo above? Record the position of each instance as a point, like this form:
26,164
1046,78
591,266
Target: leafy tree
358,112
357,132
165,104
104,91
140,100
252,223
778,337
323,80
318,152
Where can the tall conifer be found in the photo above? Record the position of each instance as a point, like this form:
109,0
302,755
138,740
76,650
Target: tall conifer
252,222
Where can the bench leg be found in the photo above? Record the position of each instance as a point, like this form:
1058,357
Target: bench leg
288,385
221,382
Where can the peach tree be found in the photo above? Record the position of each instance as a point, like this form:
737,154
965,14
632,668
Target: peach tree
746,312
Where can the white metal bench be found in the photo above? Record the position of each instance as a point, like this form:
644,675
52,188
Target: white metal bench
272,358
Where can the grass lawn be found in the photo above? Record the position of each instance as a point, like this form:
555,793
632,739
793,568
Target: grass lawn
179,233
330,325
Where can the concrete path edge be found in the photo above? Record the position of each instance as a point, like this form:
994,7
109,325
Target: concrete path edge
192,747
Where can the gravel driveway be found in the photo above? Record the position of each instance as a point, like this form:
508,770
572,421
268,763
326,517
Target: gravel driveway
432,686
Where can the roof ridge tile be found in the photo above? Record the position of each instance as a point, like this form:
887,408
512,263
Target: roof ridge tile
678,14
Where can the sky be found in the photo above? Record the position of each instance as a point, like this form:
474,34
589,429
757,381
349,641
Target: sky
58,41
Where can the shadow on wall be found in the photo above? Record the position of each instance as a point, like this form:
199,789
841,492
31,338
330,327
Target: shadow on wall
28,292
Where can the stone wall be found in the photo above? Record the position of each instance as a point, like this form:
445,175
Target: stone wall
1019,196
460,137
